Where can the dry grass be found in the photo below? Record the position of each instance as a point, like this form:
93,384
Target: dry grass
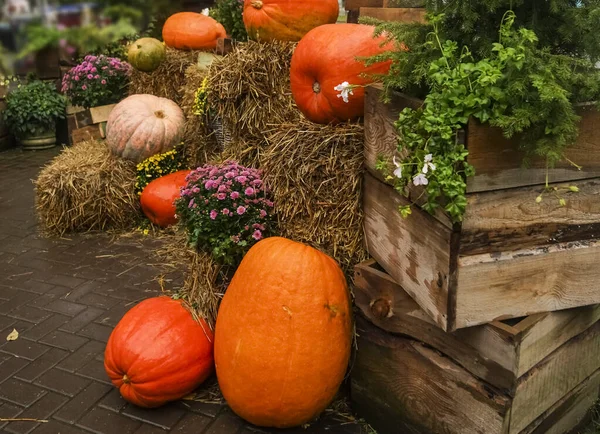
85,188
168,79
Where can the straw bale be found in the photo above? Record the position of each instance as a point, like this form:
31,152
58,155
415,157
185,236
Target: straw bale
85,188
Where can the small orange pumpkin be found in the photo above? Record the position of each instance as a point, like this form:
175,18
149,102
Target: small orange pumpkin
283,334
158,197
158,353
192,31
287,20
326,58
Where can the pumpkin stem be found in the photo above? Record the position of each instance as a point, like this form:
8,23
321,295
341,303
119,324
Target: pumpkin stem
257,4
160,114
126,379
316,87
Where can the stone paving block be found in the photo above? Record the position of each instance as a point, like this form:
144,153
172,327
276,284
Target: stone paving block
46,327
66,307
96,331
63,382
192,423
43,300
95,371
36,286
113,401
64,340
104,421
9,411
164,417
64,280
20,393
82,356
82,319
42,364
10,366
56,427
82,402
204,408
226,422
99,301
19,299
42,409
114,315
24,348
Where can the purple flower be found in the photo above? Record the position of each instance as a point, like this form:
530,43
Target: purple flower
263,213
90,76
241,210
213,214
225,211
269,203
76,78
221,196
208,184
241,179
222,188
84,87
249,191
257,235
230,175
191,204
234,195
103,82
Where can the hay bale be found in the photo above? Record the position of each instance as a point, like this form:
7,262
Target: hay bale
85,188
315,173
250,89
168,79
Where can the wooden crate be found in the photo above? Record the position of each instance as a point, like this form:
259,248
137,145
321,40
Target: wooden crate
85,123
511,256
519,376
386,10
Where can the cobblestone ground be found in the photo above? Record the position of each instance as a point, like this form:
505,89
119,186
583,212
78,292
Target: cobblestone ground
64,296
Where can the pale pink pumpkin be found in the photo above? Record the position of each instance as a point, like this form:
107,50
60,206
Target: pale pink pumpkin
144,125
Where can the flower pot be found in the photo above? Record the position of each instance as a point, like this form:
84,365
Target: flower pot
39,141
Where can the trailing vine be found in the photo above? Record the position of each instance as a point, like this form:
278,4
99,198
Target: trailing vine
519,87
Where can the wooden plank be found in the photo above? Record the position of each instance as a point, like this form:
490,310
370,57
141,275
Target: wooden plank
404,15
555,377
498,161
357,4
511,219
414,251
73,109
101,113
523,282
90,132
389,307
401,386
550,331
571,412
224,46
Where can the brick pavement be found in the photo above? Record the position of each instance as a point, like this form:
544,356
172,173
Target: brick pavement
64,296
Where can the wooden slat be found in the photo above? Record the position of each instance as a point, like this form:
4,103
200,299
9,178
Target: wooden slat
101,113
90,132
571,412
403,3
401,386
357,4
404,15
519,283
390,308
511,219
550,331
555,377
498,161
414,251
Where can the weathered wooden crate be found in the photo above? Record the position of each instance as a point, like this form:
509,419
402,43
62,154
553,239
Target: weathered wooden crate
511,256
537,374
86,123
386,10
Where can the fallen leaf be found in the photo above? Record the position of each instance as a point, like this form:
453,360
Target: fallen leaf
13,335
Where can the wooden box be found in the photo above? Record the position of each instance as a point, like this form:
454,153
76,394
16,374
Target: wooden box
511,256
537,374
84,124
386,10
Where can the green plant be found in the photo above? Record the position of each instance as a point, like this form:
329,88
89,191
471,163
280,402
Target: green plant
225,210
229,14
122,11
519,88
33,108
158,165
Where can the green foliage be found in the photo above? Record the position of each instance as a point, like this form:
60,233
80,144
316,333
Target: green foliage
121,11
229,13
518,87
156,166
33,109
225,209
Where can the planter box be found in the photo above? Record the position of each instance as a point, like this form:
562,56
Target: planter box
538,374
386,10
87,120
510,257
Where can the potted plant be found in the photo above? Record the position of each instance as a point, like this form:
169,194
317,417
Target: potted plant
94,87
31,113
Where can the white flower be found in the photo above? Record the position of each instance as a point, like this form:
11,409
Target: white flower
420,179
205,12
398,171
428,164
346,89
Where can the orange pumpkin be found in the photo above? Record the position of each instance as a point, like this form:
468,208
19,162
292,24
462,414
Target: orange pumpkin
192,31
158,353
326,58
143,125
158,197
287,20
283,334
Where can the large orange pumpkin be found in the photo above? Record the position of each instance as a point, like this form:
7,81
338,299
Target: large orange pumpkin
287,20
158,353
283,334
143,125
192,31
158,197
326,58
